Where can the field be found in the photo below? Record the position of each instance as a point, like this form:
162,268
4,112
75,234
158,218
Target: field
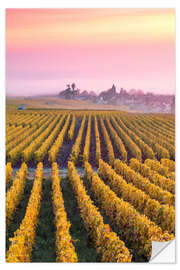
88,186
58,103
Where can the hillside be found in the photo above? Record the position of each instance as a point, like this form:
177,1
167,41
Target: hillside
58,103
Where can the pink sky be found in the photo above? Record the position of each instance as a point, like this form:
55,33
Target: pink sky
48,48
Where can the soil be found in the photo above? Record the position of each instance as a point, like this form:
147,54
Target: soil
92,152
104,153
66,148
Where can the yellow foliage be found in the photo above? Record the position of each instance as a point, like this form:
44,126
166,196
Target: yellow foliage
137,229
15,193
22,242
155,192
107,242
59,141
9,172
64,248
139,199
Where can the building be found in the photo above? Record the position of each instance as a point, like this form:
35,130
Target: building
21,107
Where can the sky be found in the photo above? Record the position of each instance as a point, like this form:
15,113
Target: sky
49,48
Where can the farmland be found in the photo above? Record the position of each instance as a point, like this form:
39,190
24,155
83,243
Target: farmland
88,186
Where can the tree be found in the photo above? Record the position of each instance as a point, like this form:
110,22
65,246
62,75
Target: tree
73,86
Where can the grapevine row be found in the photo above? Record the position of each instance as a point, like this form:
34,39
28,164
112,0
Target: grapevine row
157,138
107,243
165,124
59,141
119,144
15,131
137,229
156,166
17,134
15,153
129,143
72,128
14,194
41,152
162,215
22,242
24,136
76,147
170,164
28,152
87,141
155,192
108,143
9,172
98,144
160,151
145,149
148,123
154,177
64,248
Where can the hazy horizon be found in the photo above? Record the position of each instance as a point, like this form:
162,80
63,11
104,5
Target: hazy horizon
43,93
49,48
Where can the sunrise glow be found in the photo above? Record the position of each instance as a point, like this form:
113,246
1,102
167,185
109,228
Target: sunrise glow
47,48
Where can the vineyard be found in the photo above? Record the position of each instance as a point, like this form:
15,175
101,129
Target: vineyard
88,186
